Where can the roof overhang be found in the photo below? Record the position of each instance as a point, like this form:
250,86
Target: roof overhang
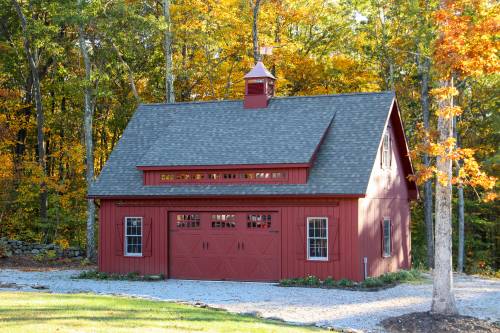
223,167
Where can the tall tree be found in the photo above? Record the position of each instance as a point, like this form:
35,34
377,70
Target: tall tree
443,299
31,56
255,29
167,47
88,116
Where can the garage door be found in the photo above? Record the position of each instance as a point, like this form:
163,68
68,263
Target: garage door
225,245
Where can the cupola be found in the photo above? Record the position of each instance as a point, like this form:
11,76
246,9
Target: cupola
259,87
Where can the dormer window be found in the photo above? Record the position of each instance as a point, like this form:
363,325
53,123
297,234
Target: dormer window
386,153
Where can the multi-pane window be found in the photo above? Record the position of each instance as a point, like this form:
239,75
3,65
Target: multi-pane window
133,236
317,238
387,238
222,176
259,221
223,221
386,150
188,221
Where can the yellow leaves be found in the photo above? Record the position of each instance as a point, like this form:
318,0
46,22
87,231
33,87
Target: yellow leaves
443,93
442,178
449,112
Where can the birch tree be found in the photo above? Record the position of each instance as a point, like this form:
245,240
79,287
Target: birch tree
255,30
167,48
88,116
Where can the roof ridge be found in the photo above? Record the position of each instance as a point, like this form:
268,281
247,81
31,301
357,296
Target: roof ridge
275,97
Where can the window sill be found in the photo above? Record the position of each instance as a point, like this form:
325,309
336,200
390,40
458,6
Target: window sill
318,259
139,255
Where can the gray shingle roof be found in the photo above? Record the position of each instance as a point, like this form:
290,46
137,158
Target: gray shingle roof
285,132
225,134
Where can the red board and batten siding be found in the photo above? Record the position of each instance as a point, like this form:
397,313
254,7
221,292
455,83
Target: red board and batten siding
387,197
293,176
344,259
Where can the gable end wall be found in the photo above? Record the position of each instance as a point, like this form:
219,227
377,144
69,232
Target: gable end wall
387,196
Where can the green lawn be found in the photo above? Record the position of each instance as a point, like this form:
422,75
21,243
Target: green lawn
43,312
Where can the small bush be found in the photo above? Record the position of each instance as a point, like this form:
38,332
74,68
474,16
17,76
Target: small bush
132,276
387,279
373,282
329,281
345,283
311,280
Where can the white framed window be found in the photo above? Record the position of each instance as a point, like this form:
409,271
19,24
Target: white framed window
317,238
386,237
386,150
133,236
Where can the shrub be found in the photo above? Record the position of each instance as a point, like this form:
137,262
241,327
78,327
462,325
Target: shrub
312,280
132,276
373,282
345,283
329,281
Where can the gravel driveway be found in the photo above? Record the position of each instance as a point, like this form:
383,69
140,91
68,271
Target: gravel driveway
329,308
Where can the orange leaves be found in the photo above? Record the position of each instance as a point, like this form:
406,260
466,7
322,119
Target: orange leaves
468,42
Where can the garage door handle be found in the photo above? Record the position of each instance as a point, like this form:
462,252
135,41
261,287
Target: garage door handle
238,245
203,245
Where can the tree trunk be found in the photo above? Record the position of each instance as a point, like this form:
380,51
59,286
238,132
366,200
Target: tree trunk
424,68
167,47
255,31
443,300
39,114
129,71
461,208
461,229
89,145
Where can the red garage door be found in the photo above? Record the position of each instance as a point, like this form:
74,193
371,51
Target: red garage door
225,245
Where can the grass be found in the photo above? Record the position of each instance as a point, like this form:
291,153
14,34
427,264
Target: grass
43,312
371,283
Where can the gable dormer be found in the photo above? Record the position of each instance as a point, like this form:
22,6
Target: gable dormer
259,87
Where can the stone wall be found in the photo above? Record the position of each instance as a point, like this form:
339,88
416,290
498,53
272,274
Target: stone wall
20,248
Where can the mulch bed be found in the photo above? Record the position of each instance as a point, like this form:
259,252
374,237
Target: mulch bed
28,263
425,322
354,288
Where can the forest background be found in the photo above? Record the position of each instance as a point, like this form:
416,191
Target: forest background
73,72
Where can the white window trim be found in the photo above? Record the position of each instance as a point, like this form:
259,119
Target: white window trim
386,163
125,245
384,254
307,240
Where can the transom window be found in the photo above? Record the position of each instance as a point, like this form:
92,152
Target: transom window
259,221
386,150
188,221
387,237
317,238
223,221
223,176
133,236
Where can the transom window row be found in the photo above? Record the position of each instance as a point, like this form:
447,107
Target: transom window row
222,176
223,220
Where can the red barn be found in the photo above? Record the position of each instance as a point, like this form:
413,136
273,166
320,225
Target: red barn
261,189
